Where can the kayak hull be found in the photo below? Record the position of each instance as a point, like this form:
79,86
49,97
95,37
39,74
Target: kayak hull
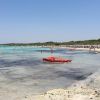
56,60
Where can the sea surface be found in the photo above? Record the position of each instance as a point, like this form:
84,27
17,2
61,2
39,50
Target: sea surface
22,70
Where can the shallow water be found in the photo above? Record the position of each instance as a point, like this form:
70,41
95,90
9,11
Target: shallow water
23,72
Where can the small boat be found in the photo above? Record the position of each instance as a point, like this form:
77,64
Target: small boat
56,59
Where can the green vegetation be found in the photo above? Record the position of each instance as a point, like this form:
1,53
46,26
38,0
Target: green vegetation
85,42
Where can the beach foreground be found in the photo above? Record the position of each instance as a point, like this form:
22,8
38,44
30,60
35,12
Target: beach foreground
88,89
23,76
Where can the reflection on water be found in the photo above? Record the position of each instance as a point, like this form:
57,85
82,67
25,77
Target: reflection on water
22,69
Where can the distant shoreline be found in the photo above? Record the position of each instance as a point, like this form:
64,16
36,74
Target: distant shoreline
95,48
51,43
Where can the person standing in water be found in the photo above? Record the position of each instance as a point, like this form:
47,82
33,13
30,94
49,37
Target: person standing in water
41,51
51,50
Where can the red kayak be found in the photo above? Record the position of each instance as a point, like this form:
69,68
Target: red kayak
56,59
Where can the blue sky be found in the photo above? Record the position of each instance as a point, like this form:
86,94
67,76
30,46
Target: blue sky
49,20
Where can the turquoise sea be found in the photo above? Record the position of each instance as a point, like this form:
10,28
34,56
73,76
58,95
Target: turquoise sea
23,71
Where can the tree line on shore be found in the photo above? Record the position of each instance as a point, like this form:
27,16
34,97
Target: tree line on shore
84,42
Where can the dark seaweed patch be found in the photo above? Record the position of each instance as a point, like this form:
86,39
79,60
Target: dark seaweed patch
73,75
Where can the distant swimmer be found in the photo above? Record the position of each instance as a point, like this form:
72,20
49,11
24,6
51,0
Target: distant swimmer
41,51
51,50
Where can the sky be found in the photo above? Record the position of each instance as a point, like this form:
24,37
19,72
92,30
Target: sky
25,21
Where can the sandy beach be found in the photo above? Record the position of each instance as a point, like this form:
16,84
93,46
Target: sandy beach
88,49
75,48
88,89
